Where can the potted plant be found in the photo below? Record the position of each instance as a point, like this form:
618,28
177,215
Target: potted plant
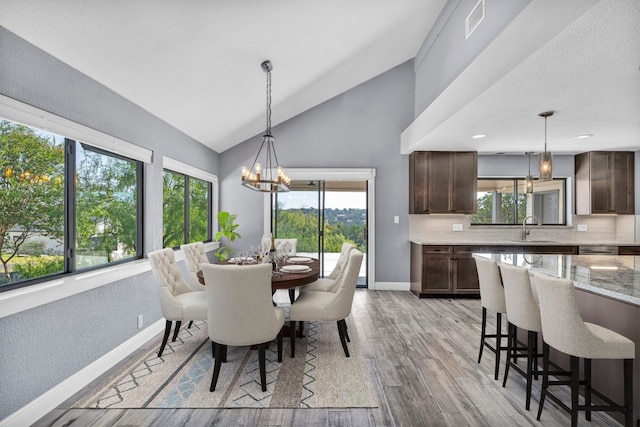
226,222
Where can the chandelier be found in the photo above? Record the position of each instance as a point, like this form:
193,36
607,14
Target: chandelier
529,179
266,174
546,158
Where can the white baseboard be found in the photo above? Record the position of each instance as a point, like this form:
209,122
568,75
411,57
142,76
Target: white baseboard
50,400
390,286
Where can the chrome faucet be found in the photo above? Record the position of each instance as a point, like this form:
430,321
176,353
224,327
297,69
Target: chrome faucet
525,230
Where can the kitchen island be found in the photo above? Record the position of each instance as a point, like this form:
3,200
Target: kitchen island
608,294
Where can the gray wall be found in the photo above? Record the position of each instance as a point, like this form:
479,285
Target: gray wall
357,129
45,345
445,52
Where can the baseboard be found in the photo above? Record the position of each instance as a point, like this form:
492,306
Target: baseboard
390,286
51,399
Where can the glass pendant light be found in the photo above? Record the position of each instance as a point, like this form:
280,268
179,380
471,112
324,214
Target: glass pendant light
528,183
545,159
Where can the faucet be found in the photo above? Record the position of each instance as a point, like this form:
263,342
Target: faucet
525,231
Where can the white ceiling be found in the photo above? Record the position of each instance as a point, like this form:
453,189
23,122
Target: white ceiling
579,58
196,65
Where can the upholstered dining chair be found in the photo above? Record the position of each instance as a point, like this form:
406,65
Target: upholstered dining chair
282,243
564,330
522,312
177,300
330,283
194,256
329,306
492,299
241,312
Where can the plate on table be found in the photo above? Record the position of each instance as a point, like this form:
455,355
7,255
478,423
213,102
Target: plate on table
299,260
295,269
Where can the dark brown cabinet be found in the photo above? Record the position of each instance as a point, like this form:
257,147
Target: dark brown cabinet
604,183
443,271
443,182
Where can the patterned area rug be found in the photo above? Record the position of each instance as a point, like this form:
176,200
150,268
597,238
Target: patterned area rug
320,376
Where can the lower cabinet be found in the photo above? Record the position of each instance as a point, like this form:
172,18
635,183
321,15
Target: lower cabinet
443,271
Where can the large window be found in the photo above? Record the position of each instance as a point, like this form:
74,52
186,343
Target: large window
65,206
504,201
186,214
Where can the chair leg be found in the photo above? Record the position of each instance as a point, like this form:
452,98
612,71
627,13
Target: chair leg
587,389
498,344
176,330
280,346
510,338
261,363
628,392
530,345
165,338
213,349
190,324
342,332
292,295
575,386
535,355
292,333
545,377
216,366
301,329
482,332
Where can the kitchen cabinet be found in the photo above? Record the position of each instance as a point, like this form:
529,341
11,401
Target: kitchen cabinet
443,182
443,271
629,250
604,183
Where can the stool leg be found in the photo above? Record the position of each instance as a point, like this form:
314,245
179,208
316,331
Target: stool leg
535,355
575,386
587,389
483,332
628,392
530,339
545,377
498,344
510,338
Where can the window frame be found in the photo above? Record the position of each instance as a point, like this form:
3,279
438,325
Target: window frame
515,181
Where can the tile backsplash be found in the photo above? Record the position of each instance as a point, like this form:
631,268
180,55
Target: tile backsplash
599,229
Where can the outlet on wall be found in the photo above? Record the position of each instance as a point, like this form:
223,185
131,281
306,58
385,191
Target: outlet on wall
140,321
582,227
458,227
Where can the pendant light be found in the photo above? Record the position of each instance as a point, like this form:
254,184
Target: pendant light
545,159
266,175
528,183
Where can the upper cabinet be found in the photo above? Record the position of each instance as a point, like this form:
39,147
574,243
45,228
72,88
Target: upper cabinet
443,182
604,183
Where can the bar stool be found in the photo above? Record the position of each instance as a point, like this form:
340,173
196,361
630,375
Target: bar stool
522,312
492,298
564,330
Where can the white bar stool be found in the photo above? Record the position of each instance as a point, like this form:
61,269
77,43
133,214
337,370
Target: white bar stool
564,330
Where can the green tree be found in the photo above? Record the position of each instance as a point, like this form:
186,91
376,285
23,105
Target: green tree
198,210
172,210
32,187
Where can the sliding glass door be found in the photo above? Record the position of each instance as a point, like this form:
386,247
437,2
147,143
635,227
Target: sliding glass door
322,215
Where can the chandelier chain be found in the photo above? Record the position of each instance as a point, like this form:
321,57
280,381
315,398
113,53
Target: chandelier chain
268,102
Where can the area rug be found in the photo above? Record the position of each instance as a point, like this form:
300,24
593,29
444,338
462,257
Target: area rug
320,376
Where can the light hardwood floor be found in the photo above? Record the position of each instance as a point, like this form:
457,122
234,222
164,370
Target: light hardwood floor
422,354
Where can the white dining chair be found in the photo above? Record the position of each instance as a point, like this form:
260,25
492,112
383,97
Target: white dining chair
194,256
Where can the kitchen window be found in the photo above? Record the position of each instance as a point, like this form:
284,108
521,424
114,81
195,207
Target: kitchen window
503,201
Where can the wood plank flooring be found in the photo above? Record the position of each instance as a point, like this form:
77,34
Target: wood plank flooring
422,354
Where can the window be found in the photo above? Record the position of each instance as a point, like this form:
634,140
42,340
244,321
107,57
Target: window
49,226
186,214
504,201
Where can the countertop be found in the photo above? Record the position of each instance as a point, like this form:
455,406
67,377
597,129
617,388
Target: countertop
507,242
615,277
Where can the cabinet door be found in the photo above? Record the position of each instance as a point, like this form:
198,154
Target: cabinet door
465,274
465,182
600,180
436,269
439,182
622,186
418,182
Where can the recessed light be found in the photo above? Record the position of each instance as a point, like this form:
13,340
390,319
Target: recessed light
586,135
478,136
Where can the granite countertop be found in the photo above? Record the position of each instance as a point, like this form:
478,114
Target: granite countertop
507,242
615,277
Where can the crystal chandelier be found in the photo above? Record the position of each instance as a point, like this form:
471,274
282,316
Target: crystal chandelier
266,174
546,158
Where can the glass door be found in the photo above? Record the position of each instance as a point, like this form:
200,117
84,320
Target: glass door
322,215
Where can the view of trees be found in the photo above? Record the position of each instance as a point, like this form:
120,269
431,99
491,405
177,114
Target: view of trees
484,213
341,225
173,209
32,206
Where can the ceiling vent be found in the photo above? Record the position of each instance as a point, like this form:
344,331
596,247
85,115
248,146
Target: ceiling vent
474,19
